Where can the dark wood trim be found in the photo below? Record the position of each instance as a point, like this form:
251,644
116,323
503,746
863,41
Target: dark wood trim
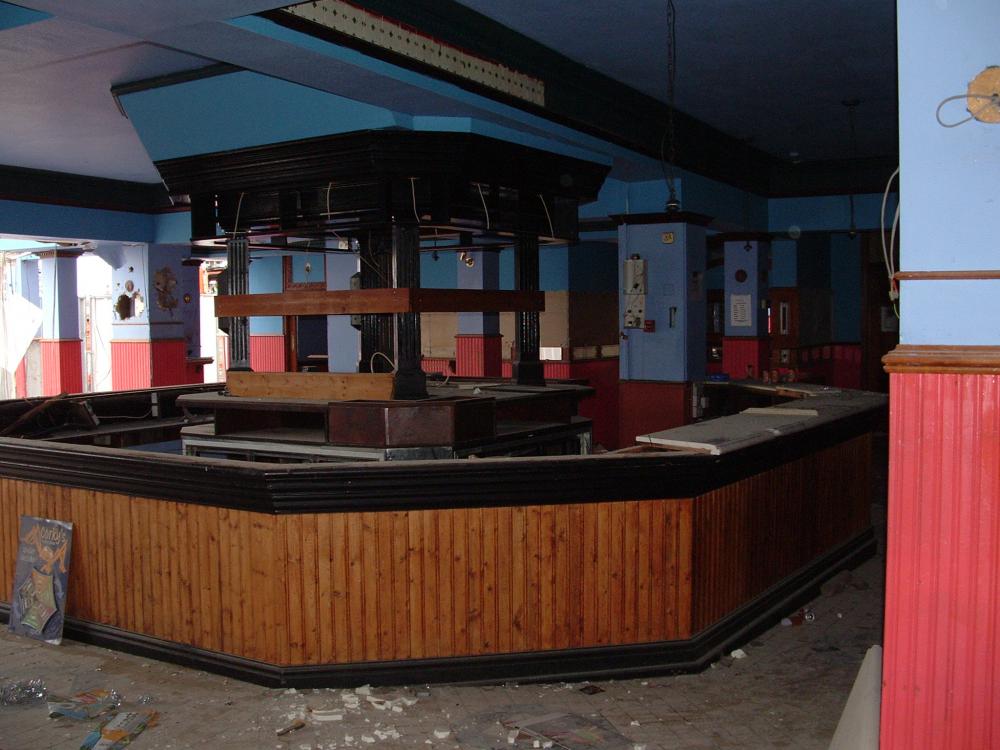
315,488
63,189
606,662
288,285
946,275
676,217
372,301
965,360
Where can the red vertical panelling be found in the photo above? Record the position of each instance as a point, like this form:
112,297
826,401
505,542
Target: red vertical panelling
62,366
429,365
130,365
21,380
745,357
552,370
169,362
477,356
649,406
267,353
941,664
602,407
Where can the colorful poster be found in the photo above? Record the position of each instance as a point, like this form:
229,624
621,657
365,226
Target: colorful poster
38,603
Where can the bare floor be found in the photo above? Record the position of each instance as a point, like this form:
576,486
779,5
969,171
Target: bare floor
788,691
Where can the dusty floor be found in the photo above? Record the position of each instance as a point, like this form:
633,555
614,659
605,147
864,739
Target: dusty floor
787,692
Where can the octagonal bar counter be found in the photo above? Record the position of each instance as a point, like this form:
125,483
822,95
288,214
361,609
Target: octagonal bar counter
637,562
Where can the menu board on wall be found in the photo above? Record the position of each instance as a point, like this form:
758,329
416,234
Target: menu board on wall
38,602
740,310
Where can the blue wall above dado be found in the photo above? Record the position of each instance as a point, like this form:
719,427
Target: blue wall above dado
950,190
14,15
827,213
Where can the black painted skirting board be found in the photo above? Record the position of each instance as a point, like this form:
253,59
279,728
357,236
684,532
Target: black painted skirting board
605,662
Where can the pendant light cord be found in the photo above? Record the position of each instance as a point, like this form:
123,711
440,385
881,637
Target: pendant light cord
669,164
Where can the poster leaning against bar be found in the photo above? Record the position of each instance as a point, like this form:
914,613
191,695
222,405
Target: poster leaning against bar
38,603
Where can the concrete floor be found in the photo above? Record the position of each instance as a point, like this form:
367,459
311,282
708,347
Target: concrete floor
788,692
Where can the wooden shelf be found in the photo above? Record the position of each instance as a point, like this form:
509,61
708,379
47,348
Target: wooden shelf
364,301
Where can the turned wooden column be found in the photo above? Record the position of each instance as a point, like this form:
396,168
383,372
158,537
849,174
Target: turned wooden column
238,264
411,382
376,329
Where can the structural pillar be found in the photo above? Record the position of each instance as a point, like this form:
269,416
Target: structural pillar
375,254
411,381
527,367
663,320
941,659
745,343
156,329
477,346
238,267
60,346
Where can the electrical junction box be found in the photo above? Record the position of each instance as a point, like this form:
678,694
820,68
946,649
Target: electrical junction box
634,292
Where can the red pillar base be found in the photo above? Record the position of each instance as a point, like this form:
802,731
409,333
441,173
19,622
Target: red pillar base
649,406
149,364
942,620
267,353
478,356
745,357
62,366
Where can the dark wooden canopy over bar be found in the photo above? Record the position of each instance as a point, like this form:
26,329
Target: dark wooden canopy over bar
385,190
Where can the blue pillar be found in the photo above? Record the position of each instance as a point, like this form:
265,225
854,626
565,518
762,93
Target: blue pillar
60,346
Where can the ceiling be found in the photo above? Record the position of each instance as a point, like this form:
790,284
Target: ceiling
772,72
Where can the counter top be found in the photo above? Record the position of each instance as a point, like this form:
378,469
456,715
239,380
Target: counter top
810,406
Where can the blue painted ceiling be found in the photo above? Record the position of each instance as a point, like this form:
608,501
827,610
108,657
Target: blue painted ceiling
771,71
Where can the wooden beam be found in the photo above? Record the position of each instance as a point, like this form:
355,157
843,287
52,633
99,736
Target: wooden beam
366,301
314,386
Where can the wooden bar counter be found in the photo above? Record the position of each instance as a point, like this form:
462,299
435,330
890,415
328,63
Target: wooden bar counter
459,570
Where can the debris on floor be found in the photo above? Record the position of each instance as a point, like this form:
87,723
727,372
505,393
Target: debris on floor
522,726
591,689
23,692
803,615
738,653
289,728
86,705
120,730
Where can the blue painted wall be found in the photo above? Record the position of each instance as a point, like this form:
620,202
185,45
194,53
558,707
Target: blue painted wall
674,354
12,16
784,263
343,341
45,220
845,282
827,213
750,257
265,278
950,190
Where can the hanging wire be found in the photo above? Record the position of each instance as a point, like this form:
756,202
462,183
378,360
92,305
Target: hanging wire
485,210
413,193
669,164
552,231
992,100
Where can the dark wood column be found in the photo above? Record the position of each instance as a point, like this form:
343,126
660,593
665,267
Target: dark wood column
527,368
238,267
376,329
411,382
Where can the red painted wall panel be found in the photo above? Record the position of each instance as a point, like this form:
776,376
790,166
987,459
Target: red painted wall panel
130,365
478,356
941,664
62,366
145,364
602,407
169,362
431,365
21,380
648,406
267,353
745,357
